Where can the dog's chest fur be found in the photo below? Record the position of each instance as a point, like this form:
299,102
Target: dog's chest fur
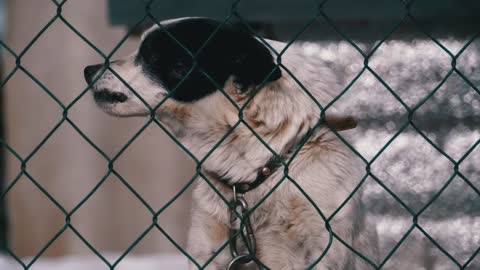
290,231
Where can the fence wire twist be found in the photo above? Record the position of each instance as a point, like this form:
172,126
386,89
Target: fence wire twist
320,15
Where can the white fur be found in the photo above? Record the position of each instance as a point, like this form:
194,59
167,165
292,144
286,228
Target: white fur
290,233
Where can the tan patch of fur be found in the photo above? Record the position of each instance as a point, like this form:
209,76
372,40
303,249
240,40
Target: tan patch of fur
180,111
252,113
217,232
280,130
314,144
304,125
232,139
295,220
256,123
253,116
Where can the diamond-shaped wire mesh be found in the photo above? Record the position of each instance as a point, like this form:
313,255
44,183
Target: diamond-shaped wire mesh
366,68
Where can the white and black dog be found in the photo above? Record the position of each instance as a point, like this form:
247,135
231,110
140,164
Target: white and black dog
289,231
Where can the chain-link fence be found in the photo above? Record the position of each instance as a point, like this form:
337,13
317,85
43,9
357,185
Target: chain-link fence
318,13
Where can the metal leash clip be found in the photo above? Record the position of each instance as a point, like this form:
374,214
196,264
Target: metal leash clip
241,230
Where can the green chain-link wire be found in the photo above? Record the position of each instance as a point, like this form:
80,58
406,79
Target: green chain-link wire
320,15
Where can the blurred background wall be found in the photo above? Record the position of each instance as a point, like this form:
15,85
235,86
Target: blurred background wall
66,166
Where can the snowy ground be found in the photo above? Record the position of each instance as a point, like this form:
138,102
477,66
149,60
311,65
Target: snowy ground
152,262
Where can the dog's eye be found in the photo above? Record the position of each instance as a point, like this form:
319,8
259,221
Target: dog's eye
179,70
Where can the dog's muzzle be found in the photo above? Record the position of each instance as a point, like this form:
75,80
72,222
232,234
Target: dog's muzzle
102,95
105,96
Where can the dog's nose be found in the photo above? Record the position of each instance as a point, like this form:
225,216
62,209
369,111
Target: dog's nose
90,71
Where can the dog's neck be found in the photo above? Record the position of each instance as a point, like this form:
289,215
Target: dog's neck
274,117
264,171
278,114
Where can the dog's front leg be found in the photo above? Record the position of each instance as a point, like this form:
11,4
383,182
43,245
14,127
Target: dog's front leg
207,235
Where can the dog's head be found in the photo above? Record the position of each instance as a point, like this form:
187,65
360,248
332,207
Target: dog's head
187,59
183,63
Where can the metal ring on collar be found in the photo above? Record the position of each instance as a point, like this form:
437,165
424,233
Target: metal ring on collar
242,259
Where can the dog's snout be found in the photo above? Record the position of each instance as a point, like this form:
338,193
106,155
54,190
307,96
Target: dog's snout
90,71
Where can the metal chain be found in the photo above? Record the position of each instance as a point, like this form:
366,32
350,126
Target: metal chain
241,232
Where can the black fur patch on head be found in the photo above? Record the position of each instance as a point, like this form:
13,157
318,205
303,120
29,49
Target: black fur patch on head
230,52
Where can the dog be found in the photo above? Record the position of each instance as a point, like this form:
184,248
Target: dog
215,85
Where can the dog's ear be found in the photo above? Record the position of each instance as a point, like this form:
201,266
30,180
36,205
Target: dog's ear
340,123
253,63
216,52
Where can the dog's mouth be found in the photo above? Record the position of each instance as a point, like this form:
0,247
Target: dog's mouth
106,96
